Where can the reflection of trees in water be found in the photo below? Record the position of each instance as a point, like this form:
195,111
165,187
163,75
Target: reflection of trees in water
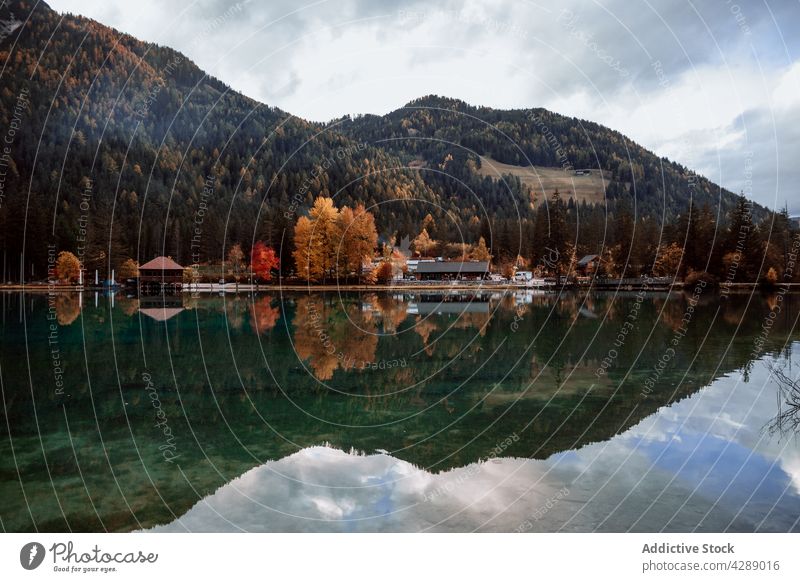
332,337
128,305
450,344
673,314
787,421
508,302
386,390
234,313
734,313
192,301
772,301
393,312
68,308
263,316
474,321
424,326
309,323
569,305
420,393
356,338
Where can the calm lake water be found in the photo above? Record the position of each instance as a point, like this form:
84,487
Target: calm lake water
400,412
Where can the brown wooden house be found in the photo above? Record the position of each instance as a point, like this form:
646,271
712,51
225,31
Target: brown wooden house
159,274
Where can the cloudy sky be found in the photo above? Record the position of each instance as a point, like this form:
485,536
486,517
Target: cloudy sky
712,84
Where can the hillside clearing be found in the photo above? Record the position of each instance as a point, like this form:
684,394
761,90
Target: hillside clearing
544,181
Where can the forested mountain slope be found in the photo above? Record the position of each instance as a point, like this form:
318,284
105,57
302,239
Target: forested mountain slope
121,148
136,131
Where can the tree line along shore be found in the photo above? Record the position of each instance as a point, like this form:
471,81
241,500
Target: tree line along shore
341,247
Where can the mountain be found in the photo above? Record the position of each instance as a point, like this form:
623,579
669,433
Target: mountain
432,128
116,132
121,148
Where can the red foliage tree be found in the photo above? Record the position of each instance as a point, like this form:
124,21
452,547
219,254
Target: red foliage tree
263,260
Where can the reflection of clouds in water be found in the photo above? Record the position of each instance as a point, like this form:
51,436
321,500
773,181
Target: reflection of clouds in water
792,467
661,460
728,411
352,492
712,444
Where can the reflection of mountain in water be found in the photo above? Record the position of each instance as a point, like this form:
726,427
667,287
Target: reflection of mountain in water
244,380
324,489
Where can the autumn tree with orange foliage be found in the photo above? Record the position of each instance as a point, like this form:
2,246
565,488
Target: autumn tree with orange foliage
330,243
424,244
480,252
236,259
68,267
383,272
357,240
668,260
303,249
129,269
315,240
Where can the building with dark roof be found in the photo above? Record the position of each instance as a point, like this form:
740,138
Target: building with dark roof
452,270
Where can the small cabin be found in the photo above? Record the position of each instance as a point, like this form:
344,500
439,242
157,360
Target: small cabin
588,264
159,274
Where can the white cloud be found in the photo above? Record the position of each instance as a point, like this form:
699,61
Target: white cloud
787,91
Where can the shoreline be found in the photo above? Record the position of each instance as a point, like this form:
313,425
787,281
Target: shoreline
412,287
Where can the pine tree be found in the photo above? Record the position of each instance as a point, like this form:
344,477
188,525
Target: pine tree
742,250
624,227
557,237
708,244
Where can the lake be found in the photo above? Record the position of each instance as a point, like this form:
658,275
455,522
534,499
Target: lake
416,411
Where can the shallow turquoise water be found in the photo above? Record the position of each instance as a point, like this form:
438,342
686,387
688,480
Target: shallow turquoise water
398,412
